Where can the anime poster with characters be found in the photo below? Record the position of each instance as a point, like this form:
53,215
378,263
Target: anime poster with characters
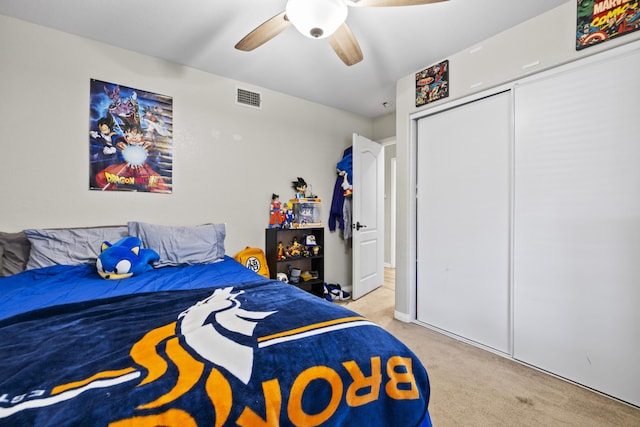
432,83
130,137
602,20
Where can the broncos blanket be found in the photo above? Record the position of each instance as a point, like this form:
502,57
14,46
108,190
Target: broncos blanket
253,352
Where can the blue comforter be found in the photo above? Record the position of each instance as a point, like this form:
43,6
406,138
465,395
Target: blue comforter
207,345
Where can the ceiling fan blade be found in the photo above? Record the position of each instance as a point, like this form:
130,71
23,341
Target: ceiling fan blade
264,32
384,3
345,45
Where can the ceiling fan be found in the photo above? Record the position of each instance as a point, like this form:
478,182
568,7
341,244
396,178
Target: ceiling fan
320,19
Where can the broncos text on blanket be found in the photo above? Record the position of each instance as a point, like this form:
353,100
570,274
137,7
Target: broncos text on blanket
124,258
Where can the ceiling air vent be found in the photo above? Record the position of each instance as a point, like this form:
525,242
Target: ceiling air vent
249,98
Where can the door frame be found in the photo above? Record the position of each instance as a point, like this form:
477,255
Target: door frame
391,175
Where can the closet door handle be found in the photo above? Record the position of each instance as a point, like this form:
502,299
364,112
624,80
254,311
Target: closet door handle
358,226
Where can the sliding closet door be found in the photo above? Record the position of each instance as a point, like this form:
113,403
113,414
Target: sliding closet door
463,209
577,225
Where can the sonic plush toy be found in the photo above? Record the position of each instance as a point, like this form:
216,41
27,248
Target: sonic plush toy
124,258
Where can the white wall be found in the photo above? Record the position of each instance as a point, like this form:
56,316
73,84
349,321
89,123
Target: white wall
385,126
228,159
546,41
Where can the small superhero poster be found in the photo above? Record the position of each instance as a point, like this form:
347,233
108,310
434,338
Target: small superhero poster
130,139
432,83
602,20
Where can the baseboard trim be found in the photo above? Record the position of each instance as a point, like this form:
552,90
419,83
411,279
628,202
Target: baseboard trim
403,317
521,362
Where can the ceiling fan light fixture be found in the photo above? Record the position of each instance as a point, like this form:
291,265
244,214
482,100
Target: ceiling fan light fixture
317,19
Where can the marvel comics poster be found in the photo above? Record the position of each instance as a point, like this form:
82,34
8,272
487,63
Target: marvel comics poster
130,137
602,20
432,83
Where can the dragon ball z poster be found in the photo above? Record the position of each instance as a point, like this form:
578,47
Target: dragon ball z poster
130,139
602,20
432,83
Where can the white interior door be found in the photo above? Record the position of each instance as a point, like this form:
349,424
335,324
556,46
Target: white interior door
463,209
577,227
367,216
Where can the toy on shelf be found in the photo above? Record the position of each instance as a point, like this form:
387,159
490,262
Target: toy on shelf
306,213
295,248
300,186
306,210
309,240
281,254
288,216
294,274
276,215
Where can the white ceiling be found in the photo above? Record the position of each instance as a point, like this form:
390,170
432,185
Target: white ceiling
395,41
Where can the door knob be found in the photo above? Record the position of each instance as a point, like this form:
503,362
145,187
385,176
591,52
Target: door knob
358,226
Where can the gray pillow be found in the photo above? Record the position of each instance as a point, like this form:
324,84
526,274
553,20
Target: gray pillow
182,245
15,255
69,246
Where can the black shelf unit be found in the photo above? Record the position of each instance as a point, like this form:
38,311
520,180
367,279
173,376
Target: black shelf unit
273,236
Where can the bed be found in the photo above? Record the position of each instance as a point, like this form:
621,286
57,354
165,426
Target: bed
199,340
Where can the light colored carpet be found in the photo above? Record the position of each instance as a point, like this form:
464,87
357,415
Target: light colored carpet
474,387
